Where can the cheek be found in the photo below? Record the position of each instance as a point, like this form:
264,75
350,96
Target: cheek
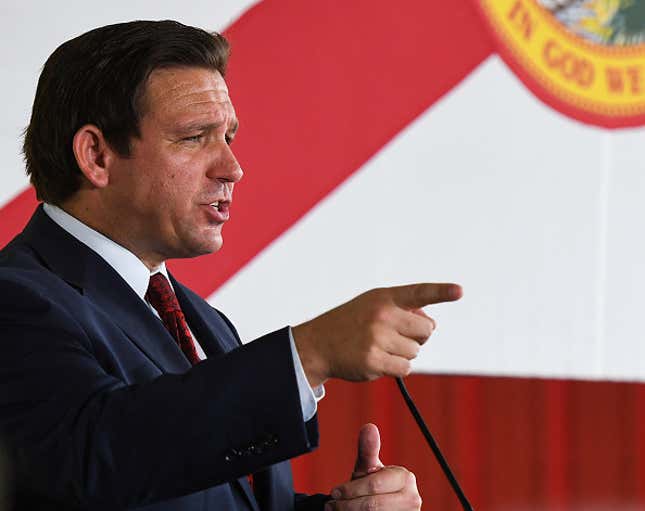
179,192
167,184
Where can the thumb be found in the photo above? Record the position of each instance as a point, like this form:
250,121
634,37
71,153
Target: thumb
369,445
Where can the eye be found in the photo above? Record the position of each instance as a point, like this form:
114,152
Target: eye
193,138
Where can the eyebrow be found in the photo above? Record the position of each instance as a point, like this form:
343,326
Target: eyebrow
199,126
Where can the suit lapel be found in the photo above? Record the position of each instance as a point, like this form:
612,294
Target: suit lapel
84,269
139,323
210,330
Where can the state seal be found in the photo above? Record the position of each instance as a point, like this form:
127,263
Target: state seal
584,57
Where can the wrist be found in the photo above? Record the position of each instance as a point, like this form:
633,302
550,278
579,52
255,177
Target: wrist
313,362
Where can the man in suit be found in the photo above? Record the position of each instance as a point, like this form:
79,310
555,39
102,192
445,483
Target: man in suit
119,387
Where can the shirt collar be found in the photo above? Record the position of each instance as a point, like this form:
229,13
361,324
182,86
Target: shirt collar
125,263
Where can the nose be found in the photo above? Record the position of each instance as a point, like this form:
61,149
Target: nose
225,166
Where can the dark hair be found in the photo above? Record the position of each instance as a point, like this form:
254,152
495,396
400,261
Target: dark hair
100,78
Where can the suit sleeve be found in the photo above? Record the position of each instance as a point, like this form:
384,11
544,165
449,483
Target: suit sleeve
83,436
314,502
302,501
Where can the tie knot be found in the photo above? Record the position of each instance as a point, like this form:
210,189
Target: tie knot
160,295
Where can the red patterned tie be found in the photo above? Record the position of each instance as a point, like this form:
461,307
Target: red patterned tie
163,299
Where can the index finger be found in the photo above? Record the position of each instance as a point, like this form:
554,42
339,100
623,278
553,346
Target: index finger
414,296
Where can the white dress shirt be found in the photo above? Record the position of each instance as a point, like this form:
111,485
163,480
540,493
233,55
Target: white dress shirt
137,275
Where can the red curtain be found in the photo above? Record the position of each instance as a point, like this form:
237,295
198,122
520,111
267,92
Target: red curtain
514,444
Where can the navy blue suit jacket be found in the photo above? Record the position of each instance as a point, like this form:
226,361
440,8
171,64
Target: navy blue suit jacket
102,411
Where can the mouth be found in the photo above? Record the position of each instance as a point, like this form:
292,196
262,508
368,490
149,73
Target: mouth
221,205
218,211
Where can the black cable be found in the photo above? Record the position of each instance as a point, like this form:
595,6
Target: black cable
433,445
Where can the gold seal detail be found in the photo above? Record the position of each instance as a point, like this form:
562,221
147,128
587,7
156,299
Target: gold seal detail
589,55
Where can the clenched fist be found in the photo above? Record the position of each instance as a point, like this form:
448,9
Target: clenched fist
377,333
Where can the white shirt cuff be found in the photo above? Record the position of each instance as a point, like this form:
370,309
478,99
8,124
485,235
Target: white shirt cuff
308,397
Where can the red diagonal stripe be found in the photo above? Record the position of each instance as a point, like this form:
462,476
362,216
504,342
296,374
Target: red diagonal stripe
15,214
319,88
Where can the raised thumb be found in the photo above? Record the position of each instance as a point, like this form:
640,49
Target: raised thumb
369,445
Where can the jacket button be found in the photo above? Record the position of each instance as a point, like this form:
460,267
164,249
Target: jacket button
231,454
269,440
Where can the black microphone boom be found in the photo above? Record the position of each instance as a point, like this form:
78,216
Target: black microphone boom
433,445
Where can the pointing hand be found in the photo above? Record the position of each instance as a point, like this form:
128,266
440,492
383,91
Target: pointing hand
377,333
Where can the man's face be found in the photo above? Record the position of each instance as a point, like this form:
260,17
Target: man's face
174,191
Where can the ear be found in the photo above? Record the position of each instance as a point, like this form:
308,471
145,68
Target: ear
93,155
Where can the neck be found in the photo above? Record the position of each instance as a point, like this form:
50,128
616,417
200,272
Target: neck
99,220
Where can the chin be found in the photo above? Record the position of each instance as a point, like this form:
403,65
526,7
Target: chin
206,242
214,245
